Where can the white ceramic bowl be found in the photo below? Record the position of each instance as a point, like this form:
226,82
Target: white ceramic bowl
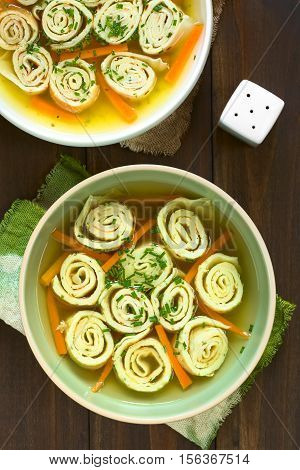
92,139
116,401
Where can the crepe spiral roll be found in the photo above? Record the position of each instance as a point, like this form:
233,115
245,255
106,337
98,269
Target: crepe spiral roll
104,225
201,346
147,266
92,3
30,69
38,9
80,282
131,75
161,26
218,283
89,341
174,302
66,23
27,3
18,27
73,85
142,363
115,21
181,228
126,310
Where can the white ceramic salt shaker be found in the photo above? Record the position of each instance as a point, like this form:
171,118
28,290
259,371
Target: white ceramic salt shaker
251,113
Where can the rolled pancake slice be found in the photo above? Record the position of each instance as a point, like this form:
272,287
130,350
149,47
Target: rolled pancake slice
27,3
80,282
131,75
141,363
162,24
89,341
201,346
18,27
38,8
219,284
180,224
126,310
66,23
73,85
174,302
92,3
147,266
116,21
28,67
104,225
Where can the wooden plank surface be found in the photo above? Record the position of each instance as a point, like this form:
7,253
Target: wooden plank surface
265,181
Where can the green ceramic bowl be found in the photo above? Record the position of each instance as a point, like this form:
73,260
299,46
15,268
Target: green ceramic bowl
114,400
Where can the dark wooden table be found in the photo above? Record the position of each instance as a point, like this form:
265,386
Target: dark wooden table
257,40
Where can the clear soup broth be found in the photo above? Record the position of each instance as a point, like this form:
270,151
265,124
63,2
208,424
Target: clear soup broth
101,116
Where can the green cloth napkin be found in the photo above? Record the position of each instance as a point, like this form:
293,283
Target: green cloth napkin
15,230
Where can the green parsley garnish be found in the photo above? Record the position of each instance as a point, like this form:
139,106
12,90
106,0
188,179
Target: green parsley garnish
177,280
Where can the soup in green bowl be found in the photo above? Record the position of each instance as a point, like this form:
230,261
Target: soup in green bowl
162,290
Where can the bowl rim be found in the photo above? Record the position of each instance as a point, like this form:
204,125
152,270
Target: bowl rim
270,314
94,139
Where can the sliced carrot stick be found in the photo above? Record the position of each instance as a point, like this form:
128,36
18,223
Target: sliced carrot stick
76,246
124,109
216,316
50,109
55,56
116,256
104,374
111,262
185,52
182,376
142,230
95,52
54,322
47,277
216,246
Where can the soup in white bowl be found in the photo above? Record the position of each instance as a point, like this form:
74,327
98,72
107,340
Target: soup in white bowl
93,73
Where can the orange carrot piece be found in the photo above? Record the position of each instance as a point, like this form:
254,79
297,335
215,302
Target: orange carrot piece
124,109
116,256
55,56
182,376
95,52
47,277
185,52
142,230
216,246
50,109
216,316
104,374
76,246
54,322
